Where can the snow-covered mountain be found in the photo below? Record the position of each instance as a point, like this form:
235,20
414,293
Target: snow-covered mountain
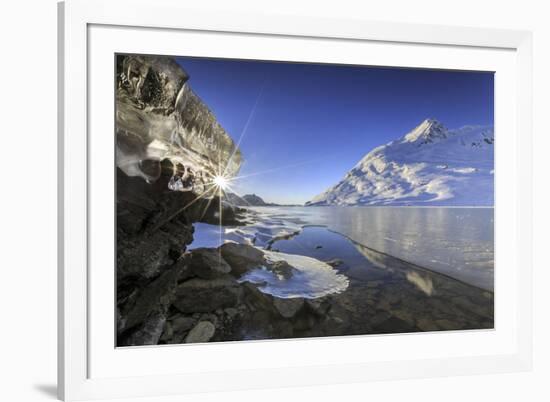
430,165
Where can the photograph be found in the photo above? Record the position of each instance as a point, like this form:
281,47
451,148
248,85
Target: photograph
275,201
268,199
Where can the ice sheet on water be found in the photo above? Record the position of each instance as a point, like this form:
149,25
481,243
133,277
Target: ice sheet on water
454,241
458,242
311,279
207,235
261,233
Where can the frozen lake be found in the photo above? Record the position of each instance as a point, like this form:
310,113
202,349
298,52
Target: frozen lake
458,242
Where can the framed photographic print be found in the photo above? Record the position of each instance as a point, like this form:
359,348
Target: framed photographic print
258,201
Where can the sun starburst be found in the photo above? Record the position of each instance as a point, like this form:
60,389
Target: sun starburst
221,181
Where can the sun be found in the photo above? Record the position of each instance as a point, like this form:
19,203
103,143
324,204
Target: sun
221,182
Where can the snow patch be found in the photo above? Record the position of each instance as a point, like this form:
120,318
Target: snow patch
311,279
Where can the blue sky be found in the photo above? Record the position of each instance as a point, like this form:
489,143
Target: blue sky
308,124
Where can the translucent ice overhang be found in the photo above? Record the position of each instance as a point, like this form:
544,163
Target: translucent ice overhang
159,117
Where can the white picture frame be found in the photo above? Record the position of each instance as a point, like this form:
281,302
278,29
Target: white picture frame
89,368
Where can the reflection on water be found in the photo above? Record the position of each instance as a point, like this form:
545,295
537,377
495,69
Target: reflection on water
380,284
409,269
458,242
424,283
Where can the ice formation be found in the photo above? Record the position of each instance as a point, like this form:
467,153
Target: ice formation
159,118
311,279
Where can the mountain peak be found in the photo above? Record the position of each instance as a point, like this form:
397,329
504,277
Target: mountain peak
428,166
426,132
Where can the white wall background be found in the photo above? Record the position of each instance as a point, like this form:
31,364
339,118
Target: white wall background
28,199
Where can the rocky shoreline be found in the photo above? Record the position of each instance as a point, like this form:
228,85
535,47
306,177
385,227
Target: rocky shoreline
169,148
167,295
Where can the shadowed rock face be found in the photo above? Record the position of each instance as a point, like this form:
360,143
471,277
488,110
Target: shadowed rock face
158,116
168,146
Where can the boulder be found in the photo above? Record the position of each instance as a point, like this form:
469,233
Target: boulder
206,295
282,269
255,299
242,257
148,333
153,300
405,315
447,324
231,313
208,263
426,324
288,307
167,333
182,324
319,306
335,262
202,332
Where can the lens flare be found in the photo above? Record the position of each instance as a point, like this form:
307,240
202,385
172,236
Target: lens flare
221,182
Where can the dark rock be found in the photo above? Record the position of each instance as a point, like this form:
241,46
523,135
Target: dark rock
203,295
303,323
284,328
426,324
208,263
145,257
335,262
154,223
167,333
121,322
148,333
261,323
393,325
150,234
318,306
170,210
288,307
338,313
405,315
242,257
374,284
185,271
153,300
182,324
202,332
282,269
231,313
134,202
213,318
468,305
256,299
447,324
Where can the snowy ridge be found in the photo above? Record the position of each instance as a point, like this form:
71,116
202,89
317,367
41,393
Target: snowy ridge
430,165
